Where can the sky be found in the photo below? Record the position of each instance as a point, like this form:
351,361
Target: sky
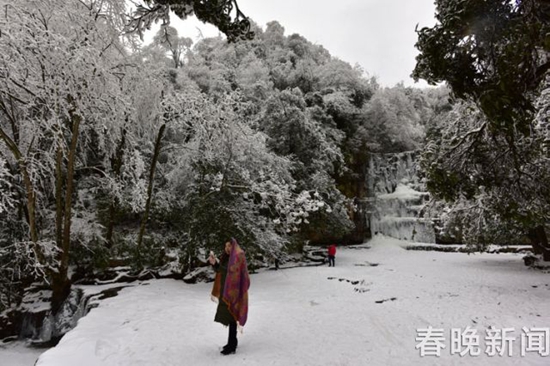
379,35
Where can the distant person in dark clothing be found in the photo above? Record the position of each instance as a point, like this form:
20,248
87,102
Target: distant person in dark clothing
331,255
231,291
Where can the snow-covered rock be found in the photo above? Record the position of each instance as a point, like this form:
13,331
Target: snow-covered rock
201,274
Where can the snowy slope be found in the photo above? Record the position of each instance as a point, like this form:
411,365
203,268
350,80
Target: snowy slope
301,317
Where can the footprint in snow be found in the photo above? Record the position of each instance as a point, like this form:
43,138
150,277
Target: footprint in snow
363,286
384,300
367,264
360,285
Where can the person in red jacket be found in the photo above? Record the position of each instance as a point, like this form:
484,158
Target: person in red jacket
331,255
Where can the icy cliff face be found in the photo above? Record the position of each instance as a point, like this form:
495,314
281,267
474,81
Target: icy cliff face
397,198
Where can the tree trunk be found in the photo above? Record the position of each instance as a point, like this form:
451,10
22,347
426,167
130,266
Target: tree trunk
31,200
60,288
116,164
61,284
30,193
539,241
59,198
110,224
150,189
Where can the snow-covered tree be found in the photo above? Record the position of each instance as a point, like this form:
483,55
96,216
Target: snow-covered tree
493,52
392,121
224,14
61,69
474,170
168,39
227,181
501,66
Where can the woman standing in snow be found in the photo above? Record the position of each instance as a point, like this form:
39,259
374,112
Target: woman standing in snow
231,291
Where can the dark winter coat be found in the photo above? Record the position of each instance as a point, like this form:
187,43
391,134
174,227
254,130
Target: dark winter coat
223,315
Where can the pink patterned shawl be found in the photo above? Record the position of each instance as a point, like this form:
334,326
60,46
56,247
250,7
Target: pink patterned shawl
237,282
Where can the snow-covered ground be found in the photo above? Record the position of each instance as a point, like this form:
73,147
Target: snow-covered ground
314,316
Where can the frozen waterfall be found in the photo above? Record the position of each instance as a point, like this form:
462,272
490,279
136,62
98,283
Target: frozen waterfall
397,197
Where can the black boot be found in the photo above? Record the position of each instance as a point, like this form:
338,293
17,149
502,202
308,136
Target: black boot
232,342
